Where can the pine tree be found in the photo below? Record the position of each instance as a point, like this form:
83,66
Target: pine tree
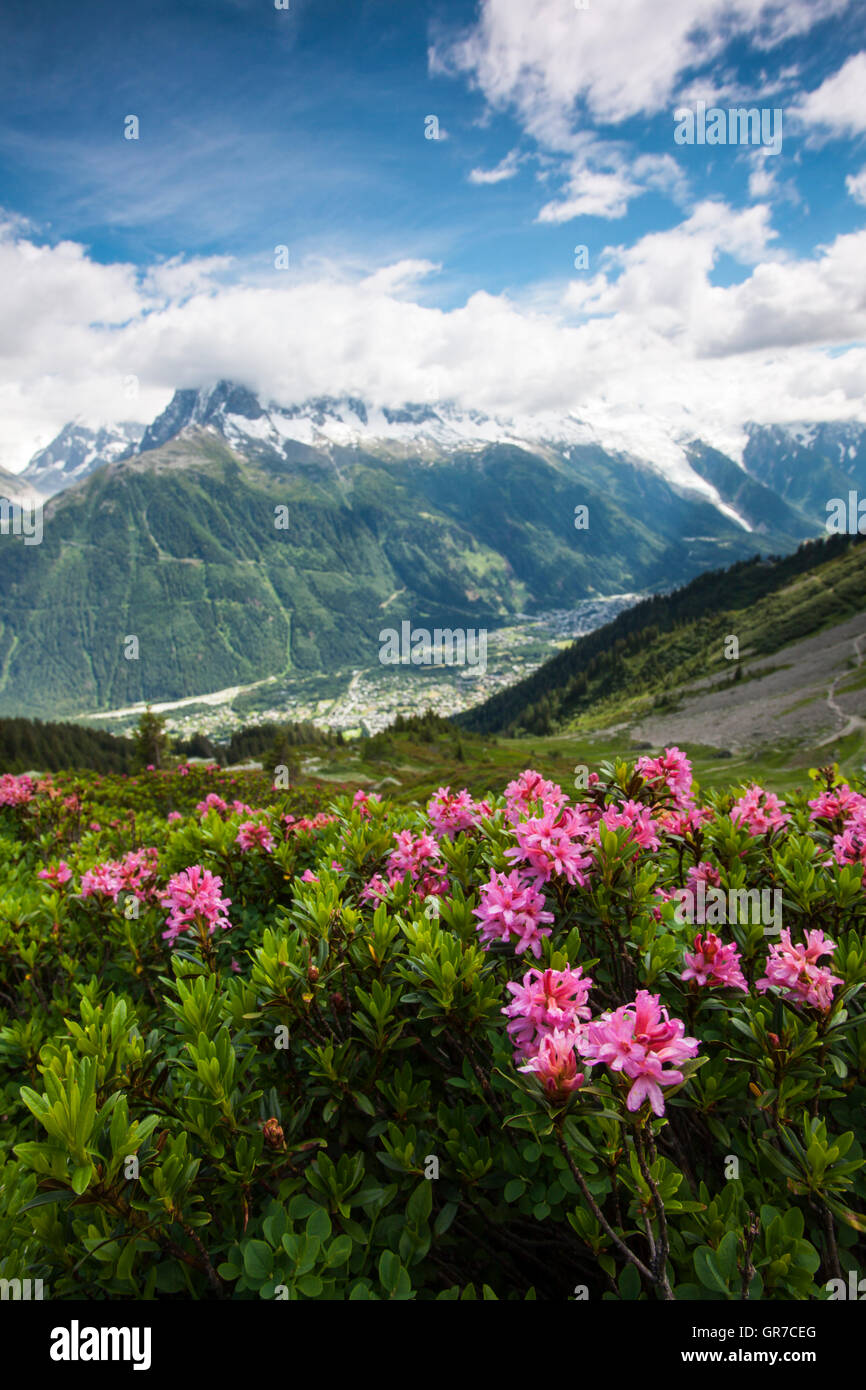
150,739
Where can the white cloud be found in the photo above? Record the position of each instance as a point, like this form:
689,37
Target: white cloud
620,60
839,104
648,336
562,69
856,185
505,169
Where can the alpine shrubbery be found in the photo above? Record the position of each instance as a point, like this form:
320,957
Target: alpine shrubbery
262,1044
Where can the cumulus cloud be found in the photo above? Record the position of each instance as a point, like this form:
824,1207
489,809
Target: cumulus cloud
557,68
545,56
838,105
648,338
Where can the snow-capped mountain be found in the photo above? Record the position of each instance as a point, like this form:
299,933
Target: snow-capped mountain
75,453
425,430
406,511
780,476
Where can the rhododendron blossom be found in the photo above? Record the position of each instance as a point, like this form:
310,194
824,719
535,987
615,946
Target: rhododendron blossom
671,769
555,1065
643,1043
15,791
794,968
193,899
760,811
254,835
512,906
637,818
418,856
450,812
546,844
545,1001
529,788
712,963
56,876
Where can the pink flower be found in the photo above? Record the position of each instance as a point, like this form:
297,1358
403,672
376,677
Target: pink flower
174,815
711,963
671,769
309,877
361,802
638,819
530,787
62,874
841,801
794,968
640,1041
555,1065
450,812
212,802
759,818
15,791
103,879
253,835
375,890
419,858
552,844
684,822
692,899
545,1001
512,906
193,899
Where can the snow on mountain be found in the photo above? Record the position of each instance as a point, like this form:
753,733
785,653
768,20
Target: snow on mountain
425,429
76,451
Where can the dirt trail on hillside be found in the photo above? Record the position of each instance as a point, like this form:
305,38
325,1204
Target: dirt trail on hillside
791,695
851,722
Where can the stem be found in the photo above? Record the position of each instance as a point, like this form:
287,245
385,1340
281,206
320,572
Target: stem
600,1217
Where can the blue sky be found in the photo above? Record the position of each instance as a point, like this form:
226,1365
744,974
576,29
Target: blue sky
306,127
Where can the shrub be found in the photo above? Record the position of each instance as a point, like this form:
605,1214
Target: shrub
367,1051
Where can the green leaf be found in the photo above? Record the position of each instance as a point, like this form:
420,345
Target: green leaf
726,1256
258,1259
420,1204
629,1283
708,1271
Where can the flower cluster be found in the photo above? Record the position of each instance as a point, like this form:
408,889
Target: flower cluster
16,791
712,963
546,1002
794,968
644,1044
671,770
512,906
56,876
450,812
193,900
134,873
254,835
760,811
419,857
